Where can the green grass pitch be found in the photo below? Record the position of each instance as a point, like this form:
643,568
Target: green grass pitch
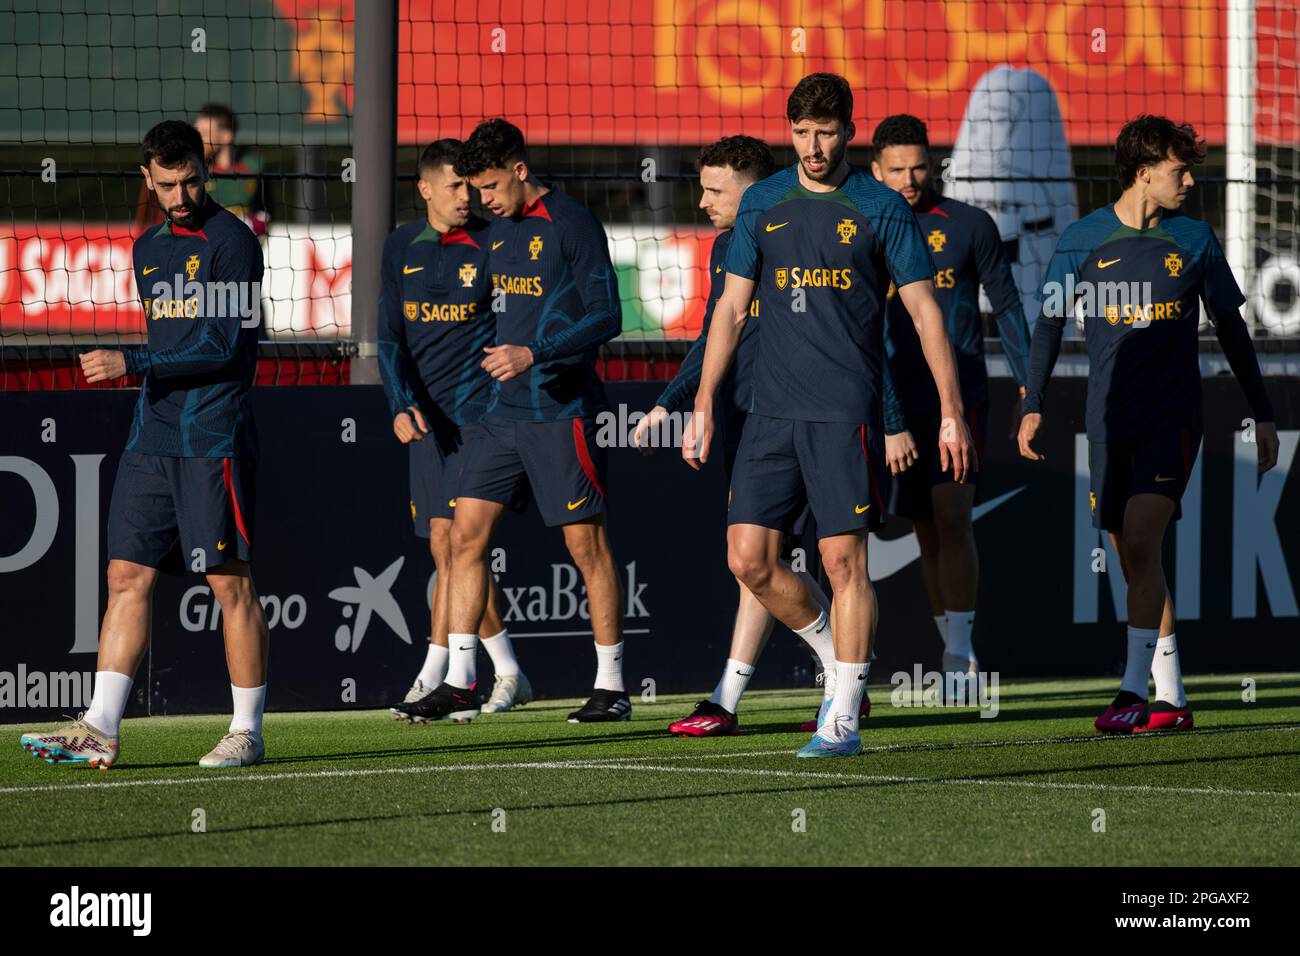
933,787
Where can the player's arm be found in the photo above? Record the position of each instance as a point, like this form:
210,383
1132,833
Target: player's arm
956,450
680,391
395,364
586,249
729,318
1223,300
900,446
1045,344
994,271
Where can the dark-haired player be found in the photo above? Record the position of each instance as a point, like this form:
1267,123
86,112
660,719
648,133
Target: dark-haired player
967,252
1138,270
184,489
727,168
435,319
556,302
821,240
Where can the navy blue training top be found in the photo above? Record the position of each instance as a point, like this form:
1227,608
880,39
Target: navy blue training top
200,287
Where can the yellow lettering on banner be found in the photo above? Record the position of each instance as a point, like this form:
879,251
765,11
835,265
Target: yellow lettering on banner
993,46
731,17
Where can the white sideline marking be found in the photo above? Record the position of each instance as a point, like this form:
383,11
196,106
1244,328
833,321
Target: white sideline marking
589,765
1028,742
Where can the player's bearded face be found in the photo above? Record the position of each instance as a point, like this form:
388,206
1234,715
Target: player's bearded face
820,146
178,189
904,169
722,188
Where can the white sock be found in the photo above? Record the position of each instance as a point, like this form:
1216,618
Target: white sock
735,678
249,704
462,661
817,636
1168,673
435,666
108,703
1141,652
957,628
502,653
941,622
850,685
609,667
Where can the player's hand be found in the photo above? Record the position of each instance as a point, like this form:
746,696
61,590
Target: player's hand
900,452
651,423
408,430
1029,426
697,437
1266,439
104,365
1017,412
504,362
956,449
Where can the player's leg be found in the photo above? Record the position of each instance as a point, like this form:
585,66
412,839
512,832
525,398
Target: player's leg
434,668
754,557
247,641
843,466
958,567
142,537
510,686
123,641
927,536
588,544
1171,710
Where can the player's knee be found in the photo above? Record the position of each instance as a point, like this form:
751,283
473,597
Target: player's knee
440,543
1140,554
232,590
843,568
125,578
749,565
466,541
585,550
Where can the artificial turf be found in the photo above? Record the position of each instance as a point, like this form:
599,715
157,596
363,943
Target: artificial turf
934,786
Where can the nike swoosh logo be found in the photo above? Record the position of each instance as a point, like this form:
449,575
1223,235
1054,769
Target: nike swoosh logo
1108,262
717,270
221,546
149,269
859,509
1150,645
1166,653
498,245
452,503
407,270
578,503
1162,478
772,228
470,647
885,558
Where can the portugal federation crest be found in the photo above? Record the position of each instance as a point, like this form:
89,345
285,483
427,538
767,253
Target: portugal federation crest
846,230
192,267
535,248
937,240
468,273
1174,263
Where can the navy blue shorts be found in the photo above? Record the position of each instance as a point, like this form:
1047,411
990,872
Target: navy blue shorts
1156,464
909,493
436,462
835,469
558,463
175,514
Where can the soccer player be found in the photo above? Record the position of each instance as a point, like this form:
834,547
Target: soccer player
727,169
1137,270
184,488
967,252
821,240
555,297
435,319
